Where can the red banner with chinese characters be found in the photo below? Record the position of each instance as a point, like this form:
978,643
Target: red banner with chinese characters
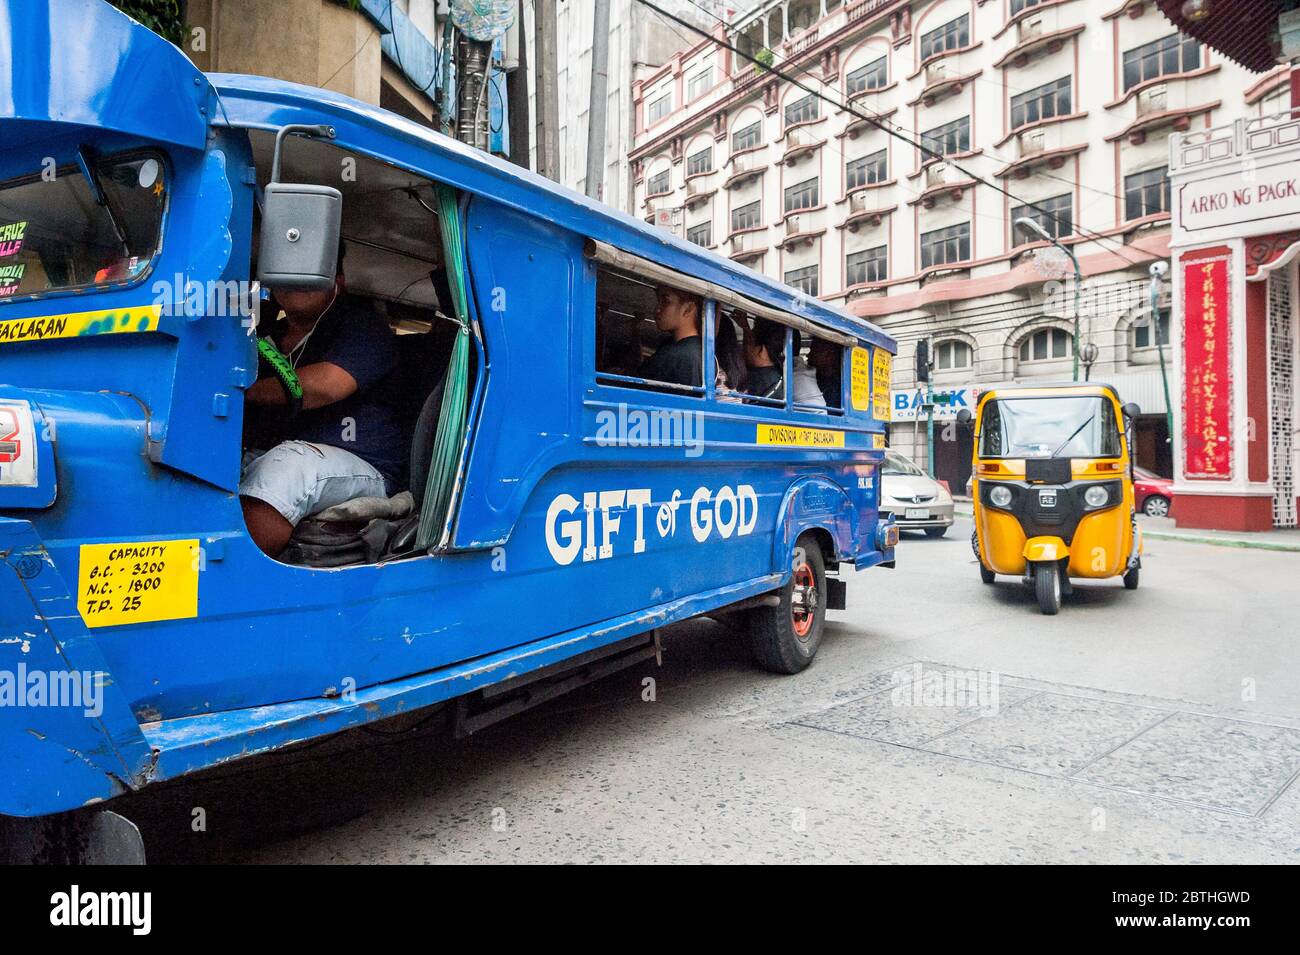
1207,371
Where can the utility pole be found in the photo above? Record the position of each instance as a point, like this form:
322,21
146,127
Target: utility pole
599,98
547,97
474,59
1158,271
517,94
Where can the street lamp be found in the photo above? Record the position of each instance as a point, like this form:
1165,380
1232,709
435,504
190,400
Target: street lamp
1032,225
1089,356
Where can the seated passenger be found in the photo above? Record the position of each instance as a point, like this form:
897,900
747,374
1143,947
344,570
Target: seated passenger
680,361
764,358
321,407
806,390
728,358
825,358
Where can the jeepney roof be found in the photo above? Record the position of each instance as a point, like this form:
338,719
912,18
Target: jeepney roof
257,102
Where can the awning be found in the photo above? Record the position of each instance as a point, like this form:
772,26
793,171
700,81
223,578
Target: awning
1239,29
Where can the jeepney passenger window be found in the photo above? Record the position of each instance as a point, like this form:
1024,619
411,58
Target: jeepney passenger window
822,360
648,335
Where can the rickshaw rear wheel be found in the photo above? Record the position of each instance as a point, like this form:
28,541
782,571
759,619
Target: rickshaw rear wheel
986,575
785,637
1131,578
1047,584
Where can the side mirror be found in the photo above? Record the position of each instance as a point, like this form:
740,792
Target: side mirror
1131,410
300,226
964,416
300,236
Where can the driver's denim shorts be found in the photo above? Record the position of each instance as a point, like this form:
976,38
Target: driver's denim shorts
300,478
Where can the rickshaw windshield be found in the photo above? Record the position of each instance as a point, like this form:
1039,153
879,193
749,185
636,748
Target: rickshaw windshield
60,231
1071,427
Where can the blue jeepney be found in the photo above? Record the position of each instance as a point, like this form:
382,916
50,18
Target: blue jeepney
143,636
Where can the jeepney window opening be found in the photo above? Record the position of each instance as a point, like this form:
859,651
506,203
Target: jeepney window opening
629,341
764,345
56,238
825,358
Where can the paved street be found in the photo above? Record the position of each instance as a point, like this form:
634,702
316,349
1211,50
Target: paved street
1161,725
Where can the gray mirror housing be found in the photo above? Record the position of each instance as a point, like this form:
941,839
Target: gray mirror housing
300,236
1131,410
963,416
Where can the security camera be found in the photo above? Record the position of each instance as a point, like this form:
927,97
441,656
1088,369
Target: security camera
1159,269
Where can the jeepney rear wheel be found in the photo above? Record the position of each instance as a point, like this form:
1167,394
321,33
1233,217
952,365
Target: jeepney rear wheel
785,636
1047,585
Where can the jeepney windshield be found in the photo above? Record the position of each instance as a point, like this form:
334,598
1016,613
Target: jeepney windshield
1071,427
59,231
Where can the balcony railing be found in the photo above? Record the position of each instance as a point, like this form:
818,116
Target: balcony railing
1242,138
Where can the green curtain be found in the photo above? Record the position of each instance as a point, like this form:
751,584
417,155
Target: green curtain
455,396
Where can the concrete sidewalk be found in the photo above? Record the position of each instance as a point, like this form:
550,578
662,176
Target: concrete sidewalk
1164,528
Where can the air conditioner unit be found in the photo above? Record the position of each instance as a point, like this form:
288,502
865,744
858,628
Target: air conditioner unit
1029,29
742,242
1032,142
858,202
1153,100
938,174
792,225
936,72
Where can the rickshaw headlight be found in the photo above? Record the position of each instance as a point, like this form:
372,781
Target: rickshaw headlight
1096,496
1000,496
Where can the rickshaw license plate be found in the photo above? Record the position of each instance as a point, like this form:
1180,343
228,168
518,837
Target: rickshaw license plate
915,514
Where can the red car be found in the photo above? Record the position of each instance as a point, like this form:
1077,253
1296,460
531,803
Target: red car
1153,494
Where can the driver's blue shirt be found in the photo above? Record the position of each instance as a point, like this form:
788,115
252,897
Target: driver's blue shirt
354,337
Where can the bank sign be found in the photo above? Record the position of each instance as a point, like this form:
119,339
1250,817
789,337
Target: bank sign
908,403
1239,196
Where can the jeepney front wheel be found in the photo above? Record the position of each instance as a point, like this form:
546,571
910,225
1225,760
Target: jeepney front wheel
785,635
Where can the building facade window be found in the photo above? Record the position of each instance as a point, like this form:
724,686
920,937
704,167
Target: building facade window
658,184
1019,6
1042,102
1172,54
866,171
1045,345
1055,215
1146,193
805,279
659,108
803,110
748,216
700,161
802,195
870,77
952,355
953,35
700,83
869,265
944,246
747,137
949,138
701,234
1142,337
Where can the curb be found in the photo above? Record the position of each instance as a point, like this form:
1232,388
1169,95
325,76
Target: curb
1199,539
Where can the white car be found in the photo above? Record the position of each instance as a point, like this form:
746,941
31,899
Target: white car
916,500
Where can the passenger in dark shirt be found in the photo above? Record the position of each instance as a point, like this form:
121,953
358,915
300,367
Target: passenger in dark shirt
344,442
680,361
765,358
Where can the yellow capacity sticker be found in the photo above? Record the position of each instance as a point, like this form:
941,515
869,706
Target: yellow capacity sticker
141,318
796,437
880,385
877,441
138,582
860,379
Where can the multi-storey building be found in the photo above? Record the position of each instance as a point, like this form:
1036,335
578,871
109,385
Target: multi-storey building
1065,104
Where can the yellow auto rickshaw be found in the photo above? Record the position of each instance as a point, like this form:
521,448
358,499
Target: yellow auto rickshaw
1053,487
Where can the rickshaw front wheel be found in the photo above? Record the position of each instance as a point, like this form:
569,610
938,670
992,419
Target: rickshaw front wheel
1047,584
785,636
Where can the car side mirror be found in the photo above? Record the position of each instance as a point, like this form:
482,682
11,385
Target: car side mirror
300,227
964,416
1131,410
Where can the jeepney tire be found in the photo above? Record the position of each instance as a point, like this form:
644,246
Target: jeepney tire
1047,585
776,644
986,575
934,533
1131,578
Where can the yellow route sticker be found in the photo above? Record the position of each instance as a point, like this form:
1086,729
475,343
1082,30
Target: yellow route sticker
138,582
877,441
794,436
112,321
860,378
880,385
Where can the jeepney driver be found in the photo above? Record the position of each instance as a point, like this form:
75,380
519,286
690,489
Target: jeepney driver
321,406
